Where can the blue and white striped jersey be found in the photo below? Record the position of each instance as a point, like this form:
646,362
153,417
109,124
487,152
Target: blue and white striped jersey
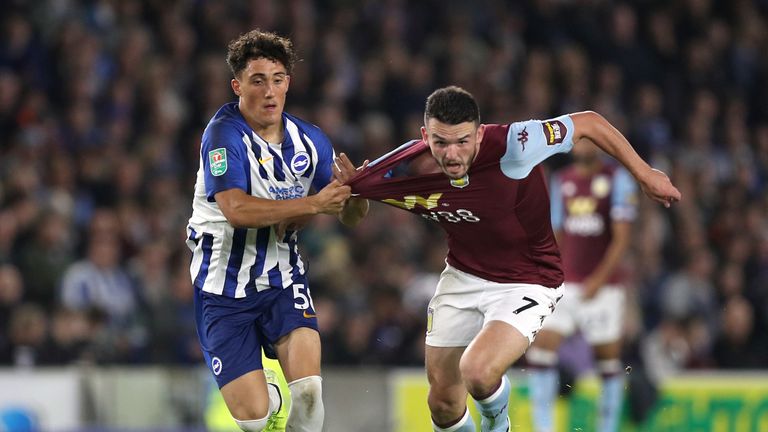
235,261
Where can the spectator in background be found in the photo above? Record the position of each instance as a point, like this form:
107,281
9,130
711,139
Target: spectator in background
690,292
44,259
70,337
101,288
11,295
736,347
27,337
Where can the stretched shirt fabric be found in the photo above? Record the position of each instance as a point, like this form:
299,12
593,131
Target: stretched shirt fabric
236,261
497,218
583,208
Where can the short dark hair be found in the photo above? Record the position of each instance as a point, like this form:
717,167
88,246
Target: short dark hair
258,44
452,105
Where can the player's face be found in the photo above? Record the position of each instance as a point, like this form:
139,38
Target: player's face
454,147
262,87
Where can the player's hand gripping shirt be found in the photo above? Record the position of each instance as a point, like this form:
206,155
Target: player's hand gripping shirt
583,208
234,261
497,218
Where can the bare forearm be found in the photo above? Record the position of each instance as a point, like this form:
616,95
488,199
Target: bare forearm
593,126
254,212
354,211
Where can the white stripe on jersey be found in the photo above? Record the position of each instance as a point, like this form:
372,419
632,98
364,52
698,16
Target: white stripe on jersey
207,218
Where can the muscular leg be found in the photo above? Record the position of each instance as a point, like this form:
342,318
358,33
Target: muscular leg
447,395
299,355
543,378
484,363
247,397
488,357
609,367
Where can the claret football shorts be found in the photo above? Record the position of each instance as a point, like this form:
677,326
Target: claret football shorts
464,303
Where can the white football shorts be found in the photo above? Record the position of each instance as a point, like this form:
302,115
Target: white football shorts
464,303
599,319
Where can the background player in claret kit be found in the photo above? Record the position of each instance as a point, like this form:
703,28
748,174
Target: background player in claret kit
593,206
257,167
503,274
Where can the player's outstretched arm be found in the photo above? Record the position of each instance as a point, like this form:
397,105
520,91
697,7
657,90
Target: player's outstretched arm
246,211
654,183
355,209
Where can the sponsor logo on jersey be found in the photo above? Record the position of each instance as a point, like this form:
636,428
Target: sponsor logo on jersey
409,202
460,183
216,365
217,159
309,315
581,205
300,163
582,219
430,319
265,160
554,131
284,193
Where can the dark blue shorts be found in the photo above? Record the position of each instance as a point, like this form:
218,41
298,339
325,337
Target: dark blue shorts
233,331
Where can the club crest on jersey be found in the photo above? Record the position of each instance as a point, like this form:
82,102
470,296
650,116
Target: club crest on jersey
460,183
554,131
300,163
217,159
600,186
216,365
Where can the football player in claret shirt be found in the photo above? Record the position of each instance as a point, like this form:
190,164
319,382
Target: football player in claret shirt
258,165
593,206
484,186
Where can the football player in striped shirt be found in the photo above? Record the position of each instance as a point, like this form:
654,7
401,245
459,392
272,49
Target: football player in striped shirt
258,166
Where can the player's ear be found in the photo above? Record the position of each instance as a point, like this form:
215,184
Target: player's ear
235,86
480,132
287,82
424,134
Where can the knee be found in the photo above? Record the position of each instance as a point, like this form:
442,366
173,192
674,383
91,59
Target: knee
478,377
307,401
247,412
442,406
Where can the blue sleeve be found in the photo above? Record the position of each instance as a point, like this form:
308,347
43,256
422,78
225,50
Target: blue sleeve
531,142
325,157
623,196
556,203
224,158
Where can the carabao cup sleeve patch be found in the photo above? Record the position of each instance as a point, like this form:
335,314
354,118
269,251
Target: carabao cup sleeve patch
217,159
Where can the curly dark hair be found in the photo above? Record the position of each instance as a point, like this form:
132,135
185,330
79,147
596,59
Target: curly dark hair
258,44
452,105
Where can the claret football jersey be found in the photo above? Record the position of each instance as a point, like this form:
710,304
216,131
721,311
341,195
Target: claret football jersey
583,209
497,218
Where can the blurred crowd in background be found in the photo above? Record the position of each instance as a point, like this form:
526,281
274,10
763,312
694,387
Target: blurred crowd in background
103,103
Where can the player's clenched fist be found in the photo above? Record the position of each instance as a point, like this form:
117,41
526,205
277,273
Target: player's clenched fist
331,198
